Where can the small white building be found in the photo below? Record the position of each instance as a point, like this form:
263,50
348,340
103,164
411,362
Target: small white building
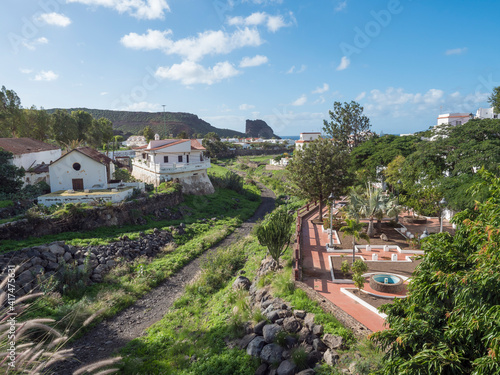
136,141
33,156
181,160
454,118
484,113
81,169
306,138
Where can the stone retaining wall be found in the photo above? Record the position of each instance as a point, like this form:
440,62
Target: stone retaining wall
130,212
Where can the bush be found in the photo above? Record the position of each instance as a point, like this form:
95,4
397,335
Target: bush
228,180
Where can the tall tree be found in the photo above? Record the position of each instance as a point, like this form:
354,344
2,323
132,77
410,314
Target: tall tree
100,131
10,113
64,128
148,133
10,175
494,99
318,170
450,321
83,124
348,126
215,147
38,122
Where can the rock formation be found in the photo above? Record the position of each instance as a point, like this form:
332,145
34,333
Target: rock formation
259,129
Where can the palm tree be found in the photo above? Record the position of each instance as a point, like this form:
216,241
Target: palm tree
369,204
393,208
353,228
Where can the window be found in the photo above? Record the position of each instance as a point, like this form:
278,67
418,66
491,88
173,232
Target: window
201,157
165,159
187,158
179,158
77,166
144,156
495,116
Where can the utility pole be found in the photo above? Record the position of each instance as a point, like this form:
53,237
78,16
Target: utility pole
165,122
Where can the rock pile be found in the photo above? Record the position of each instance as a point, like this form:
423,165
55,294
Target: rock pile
41,262
284,332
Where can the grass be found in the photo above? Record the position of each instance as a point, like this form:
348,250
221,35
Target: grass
7,203
130,280
191,338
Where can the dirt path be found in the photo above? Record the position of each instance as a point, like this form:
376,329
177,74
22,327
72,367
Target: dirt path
111,335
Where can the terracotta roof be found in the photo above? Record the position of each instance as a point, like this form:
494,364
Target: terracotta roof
195,145
94,154
19,146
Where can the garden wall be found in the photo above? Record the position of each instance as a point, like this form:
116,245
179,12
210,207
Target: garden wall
249,152
130,212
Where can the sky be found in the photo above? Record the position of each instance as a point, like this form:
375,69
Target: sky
283,61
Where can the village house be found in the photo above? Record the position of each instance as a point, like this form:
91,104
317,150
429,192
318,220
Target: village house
33,156
181,160
306,138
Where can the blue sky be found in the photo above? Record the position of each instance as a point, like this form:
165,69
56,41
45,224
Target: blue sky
282,61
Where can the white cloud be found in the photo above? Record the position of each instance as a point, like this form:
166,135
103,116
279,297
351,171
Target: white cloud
195,48
46,75
273,23
247,62
142,9
456,51
246,107
104,93
189,73
300,101
320,100
141,107
56,19
341,6
344,63
263,2
31,45
360,96
321,90
26,71
292,70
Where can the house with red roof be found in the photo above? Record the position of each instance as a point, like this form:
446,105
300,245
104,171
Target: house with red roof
33,156
181,160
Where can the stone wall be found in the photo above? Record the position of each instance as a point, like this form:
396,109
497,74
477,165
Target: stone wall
130,212
86,265
250,152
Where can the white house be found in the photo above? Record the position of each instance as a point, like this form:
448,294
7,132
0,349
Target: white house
483,113
454,118
306,138
182,160
136,141
32,155
81,169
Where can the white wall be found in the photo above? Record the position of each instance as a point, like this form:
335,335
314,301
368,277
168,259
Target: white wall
30,160
62,172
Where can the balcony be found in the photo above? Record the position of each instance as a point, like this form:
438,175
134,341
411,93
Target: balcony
171,168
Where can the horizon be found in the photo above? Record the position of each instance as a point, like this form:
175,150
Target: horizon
281,61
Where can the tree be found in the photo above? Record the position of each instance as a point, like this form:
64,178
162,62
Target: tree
494,99
215,147
10,175
64,128
183,135
354,228
39,123
318,170
99,132
348,126
83,122
148,133
369,204
449,322
275,233
359,268
10,114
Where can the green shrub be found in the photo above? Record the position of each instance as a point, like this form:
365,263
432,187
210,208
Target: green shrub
7,203
299,357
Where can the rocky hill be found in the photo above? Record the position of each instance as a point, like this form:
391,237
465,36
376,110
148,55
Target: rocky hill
175,122
259,129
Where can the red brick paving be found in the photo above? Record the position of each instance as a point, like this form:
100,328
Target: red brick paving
316,269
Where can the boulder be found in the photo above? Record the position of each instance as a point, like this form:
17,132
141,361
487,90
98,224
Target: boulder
56,249
291,325
259,327
331,357
309,321
287,368
270,331
262,369
242,282
271,353
255,346
383,237
246,340
332,341
319,345
317,330
309,371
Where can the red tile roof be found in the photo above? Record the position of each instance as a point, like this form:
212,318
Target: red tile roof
195,145
19,146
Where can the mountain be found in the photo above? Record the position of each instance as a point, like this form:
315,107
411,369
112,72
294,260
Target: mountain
259,129
175,122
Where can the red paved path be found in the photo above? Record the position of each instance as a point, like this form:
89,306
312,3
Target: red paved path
317,275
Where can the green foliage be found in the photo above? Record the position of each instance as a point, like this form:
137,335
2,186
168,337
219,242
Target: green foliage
348,126
148,133
449,322
354,228
345,267
299,357
494,99
124,175
6,203
275,233
229,180
317,171
214,146
10,175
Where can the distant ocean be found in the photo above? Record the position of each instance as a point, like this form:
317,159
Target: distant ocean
294,137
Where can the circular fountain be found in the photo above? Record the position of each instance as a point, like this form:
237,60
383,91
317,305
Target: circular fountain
386,283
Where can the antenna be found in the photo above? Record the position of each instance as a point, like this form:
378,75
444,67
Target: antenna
164,122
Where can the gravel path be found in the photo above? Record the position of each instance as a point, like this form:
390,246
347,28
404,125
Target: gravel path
109,336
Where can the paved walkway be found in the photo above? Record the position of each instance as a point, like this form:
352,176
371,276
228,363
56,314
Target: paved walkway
317,275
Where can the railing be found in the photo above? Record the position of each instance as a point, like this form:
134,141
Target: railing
297,254
172,167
